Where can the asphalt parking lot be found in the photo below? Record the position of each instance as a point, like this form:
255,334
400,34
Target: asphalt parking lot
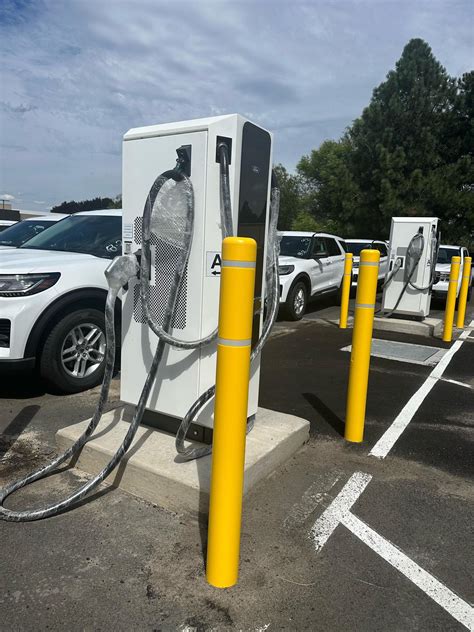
336,539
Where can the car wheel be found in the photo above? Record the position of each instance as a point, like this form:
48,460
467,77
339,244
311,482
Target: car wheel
339,293
73,357
295,305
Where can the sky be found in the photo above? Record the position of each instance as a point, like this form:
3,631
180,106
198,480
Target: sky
75,75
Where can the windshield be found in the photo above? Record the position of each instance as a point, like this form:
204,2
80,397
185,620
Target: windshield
22,231
97,235
445,254
294,246
357,247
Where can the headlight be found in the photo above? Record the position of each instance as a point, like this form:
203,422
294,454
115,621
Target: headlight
26,284
282,270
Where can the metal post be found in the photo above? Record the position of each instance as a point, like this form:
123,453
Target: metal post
361,343
465,283
346,289
230,412
451,299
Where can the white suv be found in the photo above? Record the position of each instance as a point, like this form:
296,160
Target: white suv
20,232
357,245
443,267
52,298
310,264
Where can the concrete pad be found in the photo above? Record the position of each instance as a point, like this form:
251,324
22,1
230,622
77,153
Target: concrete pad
429,327
151,469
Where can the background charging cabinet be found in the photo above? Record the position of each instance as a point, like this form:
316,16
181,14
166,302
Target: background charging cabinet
414,302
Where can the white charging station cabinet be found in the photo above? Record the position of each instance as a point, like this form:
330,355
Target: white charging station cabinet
148,151
414,302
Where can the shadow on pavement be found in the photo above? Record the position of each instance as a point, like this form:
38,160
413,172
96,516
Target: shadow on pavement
14,429
21,386
326,413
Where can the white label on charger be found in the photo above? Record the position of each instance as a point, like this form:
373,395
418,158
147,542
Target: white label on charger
128,231
213,263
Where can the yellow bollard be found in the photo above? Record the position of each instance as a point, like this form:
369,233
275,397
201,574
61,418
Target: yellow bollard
346,289
465,283
361,343
230,411
451,299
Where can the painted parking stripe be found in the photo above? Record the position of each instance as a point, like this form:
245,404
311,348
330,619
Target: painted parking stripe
339,513
439,593
391,435
333,515
311,499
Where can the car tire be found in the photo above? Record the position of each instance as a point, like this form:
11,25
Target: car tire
338,295
295,306
70,363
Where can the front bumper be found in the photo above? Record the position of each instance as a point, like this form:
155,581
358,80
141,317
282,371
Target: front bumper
285,283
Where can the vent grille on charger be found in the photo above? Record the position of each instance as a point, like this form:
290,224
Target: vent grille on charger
5,329
166,256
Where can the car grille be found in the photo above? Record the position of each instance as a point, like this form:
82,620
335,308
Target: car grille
5,328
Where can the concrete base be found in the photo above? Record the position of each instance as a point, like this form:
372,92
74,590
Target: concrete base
429,327
152,470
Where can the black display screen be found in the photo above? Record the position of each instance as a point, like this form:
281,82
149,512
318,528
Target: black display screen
254,174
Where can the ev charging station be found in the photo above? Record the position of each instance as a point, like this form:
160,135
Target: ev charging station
184,374
413,250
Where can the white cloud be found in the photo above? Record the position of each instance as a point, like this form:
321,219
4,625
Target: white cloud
7,197
77,75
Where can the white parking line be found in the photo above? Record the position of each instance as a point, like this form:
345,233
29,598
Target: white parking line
445,379
391,435
441,594
339,512
333,515
313,496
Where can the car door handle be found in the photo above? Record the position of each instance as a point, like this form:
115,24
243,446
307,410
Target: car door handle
328,263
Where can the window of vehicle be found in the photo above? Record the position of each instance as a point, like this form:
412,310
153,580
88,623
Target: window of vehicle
294,246
445,254
343,245
21,232
97,235
332,247
320,248
356,247
382,248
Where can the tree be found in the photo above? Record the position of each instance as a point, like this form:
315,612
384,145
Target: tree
87,205
409,153
331,193
407,143
290,196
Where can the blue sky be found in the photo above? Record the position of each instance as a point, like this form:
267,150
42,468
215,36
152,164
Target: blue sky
76,74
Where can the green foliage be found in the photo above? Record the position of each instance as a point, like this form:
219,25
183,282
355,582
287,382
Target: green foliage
290,196
332,195
88,205
304,221
410,153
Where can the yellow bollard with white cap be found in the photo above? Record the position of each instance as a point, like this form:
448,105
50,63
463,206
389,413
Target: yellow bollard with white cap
465,283
346,289
451,299
230,411
361,343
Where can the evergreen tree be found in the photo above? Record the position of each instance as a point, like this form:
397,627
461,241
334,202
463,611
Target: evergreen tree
290,196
